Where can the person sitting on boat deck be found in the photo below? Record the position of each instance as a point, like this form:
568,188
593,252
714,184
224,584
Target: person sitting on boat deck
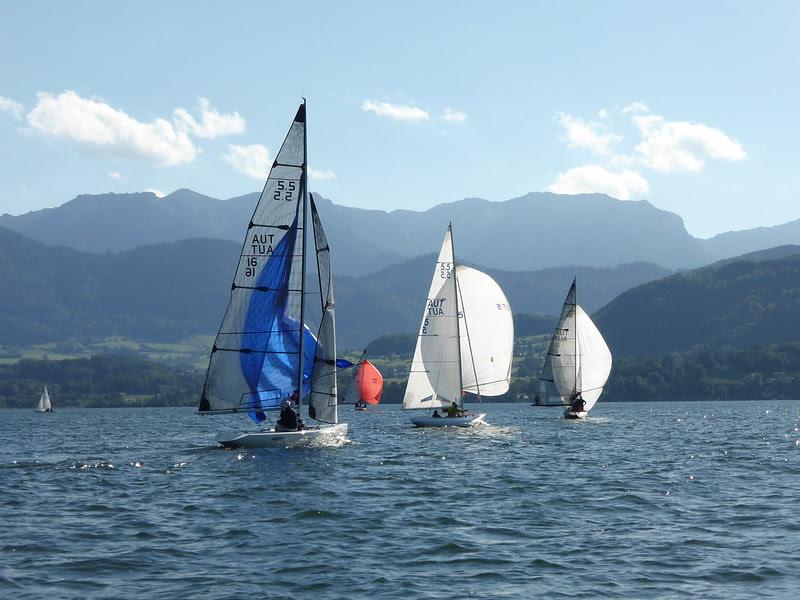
579,404
295,398
289,420
436,415
453,411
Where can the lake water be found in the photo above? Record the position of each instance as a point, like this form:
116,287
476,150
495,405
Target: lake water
642,500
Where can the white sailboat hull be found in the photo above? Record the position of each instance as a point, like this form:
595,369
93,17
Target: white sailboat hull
466,421
571,414
271,438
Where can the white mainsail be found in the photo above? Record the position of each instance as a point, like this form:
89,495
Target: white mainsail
435,377
44,402
578,360
487,333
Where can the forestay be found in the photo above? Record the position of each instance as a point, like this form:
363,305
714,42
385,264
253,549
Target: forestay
435,380
254,362
486,332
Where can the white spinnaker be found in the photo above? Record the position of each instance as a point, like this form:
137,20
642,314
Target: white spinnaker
486,332
434,380
595,359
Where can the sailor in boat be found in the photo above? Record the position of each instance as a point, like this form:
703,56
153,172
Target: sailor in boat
436,415
578,404
454,412
289,420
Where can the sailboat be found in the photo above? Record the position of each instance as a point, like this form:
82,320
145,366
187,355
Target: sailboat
44,405
577,364
365,383
465,343
369,382
277,340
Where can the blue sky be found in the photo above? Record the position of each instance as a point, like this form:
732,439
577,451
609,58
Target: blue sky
690,105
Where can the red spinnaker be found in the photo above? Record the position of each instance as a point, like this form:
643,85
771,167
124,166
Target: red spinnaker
370,383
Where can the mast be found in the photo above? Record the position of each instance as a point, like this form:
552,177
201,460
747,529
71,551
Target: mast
304,183
458,327
575,312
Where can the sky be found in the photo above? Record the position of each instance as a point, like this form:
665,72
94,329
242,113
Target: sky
692,106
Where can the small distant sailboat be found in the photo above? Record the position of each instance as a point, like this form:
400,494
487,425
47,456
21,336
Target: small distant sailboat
277,342
365,384
577,364
465,343
369,383
44,406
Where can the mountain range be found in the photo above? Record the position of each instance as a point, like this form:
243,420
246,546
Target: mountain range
169,291
535,231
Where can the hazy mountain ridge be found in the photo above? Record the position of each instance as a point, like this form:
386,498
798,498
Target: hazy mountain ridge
531,232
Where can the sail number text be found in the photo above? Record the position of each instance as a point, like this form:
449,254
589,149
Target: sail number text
435,308
261,245
284,190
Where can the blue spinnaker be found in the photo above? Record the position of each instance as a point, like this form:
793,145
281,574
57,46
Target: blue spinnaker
271,348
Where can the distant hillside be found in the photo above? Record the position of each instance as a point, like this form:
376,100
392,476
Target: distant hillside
734,243
754,299
173,290
161,292
532,232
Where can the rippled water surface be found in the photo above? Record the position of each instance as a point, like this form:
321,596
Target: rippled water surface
641,500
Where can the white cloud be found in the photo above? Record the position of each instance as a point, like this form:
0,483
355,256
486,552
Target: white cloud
397,112
114,175
15,109
596,179
452,115
212,124
158,193
586,135
636,108
97,125
682,146
252,160
321,175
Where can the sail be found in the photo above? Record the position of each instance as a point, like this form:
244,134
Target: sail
486,332
44,402
369,382
323,399
559,373
434,380
255,359
595,359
